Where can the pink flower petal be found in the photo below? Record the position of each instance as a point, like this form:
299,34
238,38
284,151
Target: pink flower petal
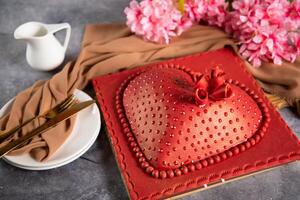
270,44
258,39
256,62
277,60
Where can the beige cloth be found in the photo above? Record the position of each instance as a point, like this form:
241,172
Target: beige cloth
109,48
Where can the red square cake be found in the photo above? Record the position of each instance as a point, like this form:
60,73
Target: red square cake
182,124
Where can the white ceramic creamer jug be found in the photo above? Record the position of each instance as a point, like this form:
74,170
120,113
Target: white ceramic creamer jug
44,52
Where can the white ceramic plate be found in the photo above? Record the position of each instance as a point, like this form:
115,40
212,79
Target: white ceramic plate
84,134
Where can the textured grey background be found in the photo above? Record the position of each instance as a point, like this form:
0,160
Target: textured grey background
95,174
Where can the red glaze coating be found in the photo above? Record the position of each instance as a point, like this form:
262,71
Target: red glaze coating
173,131
166,120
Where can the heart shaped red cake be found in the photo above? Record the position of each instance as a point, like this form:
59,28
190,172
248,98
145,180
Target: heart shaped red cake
178,121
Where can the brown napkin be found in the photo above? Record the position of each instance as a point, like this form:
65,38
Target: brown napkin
109,48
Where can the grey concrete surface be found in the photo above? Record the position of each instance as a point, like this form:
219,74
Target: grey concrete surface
95,175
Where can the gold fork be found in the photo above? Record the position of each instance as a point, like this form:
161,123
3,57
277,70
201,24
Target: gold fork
68,102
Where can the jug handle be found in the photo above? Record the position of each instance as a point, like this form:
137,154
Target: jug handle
53,28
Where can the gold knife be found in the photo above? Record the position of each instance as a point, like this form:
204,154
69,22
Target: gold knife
46,126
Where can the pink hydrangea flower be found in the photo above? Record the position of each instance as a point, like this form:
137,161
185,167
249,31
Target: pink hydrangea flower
134,15
195,9
262,32
293,15
216,12
267,30
156,20
212,12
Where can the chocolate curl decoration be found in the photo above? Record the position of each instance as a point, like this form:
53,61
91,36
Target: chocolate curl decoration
212,87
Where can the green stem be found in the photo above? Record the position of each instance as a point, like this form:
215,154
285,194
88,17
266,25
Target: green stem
181,6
